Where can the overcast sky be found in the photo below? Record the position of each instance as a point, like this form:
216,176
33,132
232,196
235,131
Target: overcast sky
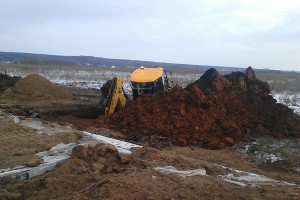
238,33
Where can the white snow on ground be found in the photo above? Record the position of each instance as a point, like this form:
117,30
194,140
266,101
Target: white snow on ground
244,149
55,156
297,170
288,98
52,128
73,78
78,84
97,77
123,147
266,152
246,180
42,128
14,118
183,173
59,153
268,157
243,178
296,109
237,177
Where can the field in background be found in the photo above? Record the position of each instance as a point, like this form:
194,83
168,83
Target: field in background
90,77
285,86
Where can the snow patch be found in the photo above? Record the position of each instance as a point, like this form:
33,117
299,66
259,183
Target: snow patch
296,109
59,154
297,169
244,149
244,179
41,128
183,173
55,153
268,157
15,119
249,177
288,98
55,156
123,147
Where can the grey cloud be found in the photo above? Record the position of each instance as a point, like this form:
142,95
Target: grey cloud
181,31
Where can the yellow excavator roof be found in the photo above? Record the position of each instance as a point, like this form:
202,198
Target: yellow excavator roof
146,75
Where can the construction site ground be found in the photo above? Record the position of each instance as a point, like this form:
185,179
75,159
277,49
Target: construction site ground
261,167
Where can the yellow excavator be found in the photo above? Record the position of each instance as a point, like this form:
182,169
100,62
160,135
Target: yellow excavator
143,81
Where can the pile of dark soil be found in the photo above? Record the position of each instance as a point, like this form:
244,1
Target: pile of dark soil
34,88
214,112
7,81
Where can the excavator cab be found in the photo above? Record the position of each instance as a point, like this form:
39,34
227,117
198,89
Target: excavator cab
143,81
148,81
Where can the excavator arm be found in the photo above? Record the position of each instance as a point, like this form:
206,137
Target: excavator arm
116,99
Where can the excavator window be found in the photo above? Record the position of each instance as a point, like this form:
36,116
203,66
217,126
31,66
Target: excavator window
147,88
142,86
158,85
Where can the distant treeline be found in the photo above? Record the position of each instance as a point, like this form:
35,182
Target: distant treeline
43,59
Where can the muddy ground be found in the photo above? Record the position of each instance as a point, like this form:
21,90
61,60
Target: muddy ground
100,172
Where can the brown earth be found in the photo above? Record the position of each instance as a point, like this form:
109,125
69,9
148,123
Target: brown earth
18,144
205,114
214,112
36,94
34,88
99,172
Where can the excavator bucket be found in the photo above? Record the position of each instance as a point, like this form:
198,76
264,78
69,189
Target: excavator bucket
116,100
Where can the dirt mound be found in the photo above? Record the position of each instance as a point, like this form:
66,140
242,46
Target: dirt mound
101,158
215,112
35,88
7,81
